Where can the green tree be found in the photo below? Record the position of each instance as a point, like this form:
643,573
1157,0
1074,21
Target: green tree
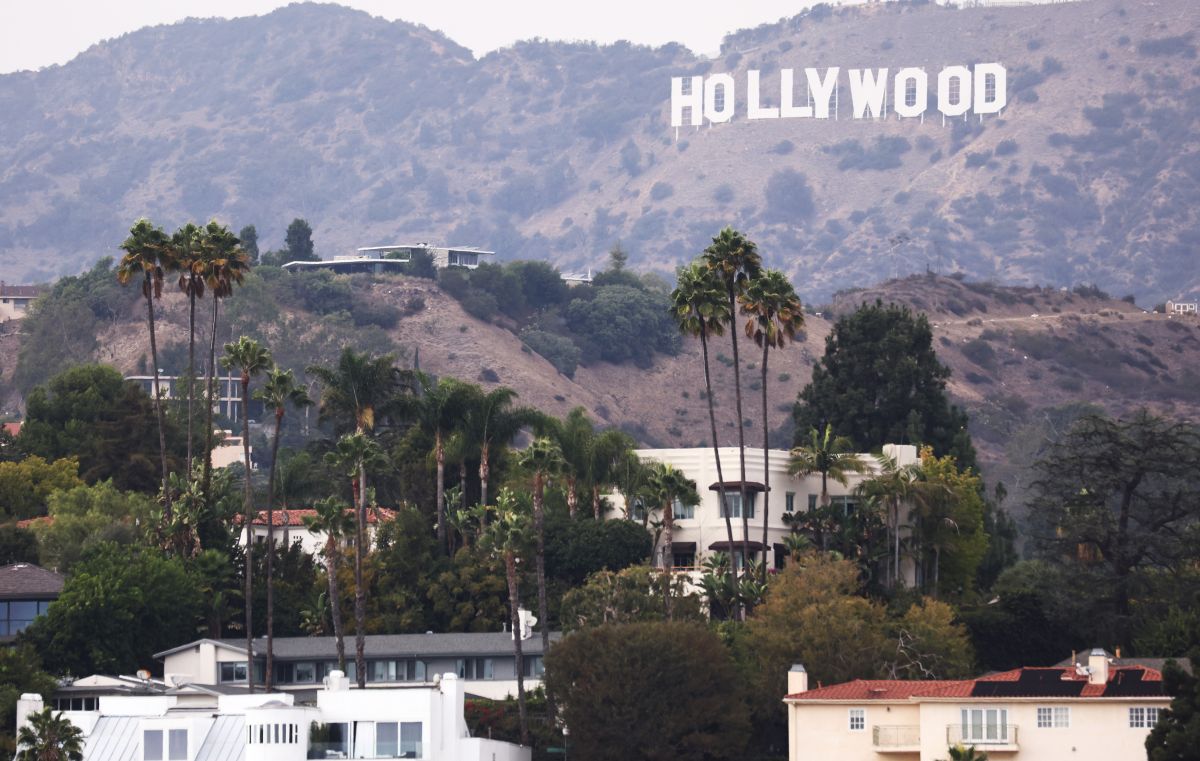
929,643
628,595
491,423
541,460
508,538
948,526
966,753
277,393
148,256
894,487
735,262
831,456
440,410
667,486
880,382
187,250
1176,736
361,391
91,413
215,576
49,737
119,607
20,673
619,323
17,545
1115,499
84,517
336,522
576,549
699,307
622,698
775,317
298,242
250,359
248,236
575,436
26,486
607,451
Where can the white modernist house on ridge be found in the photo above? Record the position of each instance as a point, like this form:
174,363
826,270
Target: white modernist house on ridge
425,720
700,530
378,260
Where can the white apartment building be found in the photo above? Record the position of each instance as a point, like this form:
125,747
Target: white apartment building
193,723
1098,708
701,530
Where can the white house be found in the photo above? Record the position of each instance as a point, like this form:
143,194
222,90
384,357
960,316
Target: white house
186,723
701,530
483,660
1182,307
1098,708
290,527
15,300
379,260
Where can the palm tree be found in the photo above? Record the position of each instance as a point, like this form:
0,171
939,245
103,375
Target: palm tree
575,436
49,737
441,409
353,454
332,519
775,317
148,254
225,265
508,539
960,753
735,262
250,358
700,310
188,252
277,393
604,456
491,423
893,486
831,456
668,485
360,391
541,459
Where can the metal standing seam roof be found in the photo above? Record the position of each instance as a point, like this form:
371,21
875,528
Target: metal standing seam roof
224,742
114,738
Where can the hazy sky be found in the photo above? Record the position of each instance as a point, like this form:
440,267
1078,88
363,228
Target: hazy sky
37,33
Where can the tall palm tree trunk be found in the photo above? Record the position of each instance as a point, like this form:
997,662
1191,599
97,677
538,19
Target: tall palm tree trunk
360,607
737,391
158,411
191,374
514,605
248,508
572,497
332,561
712,422
484,472
210,375
439,454
271,550
766,511
596,501
539,523
668,557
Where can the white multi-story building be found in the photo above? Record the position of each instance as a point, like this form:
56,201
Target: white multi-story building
701,530
193,723
1098,708
378,260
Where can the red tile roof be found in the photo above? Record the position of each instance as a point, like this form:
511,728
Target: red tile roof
12,429
31,522
295,518
1122,681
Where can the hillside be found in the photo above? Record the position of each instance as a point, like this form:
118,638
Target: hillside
1022,358
378,131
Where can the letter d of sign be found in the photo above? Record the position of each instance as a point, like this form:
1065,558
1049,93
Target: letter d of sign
718,98
693,100
991,88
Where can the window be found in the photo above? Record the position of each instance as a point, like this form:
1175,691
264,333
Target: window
306,672
1057,717
985,725
846,502
152,745
812,502
410,739
532,666
680,510
733,502
16,615
637,511
683,559
475,668
858,719
177,745
910,92
382,671
75,704
955,90
233,672
1140,718
387,739
789,502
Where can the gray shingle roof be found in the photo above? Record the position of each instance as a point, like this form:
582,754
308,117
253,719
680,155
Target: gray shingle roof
27,581
398,645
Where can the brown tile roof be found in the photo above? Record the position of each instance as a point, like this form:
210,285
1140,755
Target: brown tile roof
20,291
31,522
295,518
27,581
1054,681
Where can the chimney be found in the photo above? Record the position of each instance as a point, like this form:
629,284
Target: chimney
1098,666
30,702
797,679
337,681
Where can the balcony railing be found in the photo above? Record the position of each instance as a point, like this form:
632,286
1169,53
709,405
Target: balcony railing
896,738
989,737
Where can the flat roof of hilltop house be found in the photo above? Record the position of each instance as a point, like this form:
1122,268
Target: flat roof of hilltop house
372,259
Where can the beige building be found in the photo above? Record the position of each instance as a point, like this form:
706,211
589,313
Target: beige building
701,530
1099,708
15,299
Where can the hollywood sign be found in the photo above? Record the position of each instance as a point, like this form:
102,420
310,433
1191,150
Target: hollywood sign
959,90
